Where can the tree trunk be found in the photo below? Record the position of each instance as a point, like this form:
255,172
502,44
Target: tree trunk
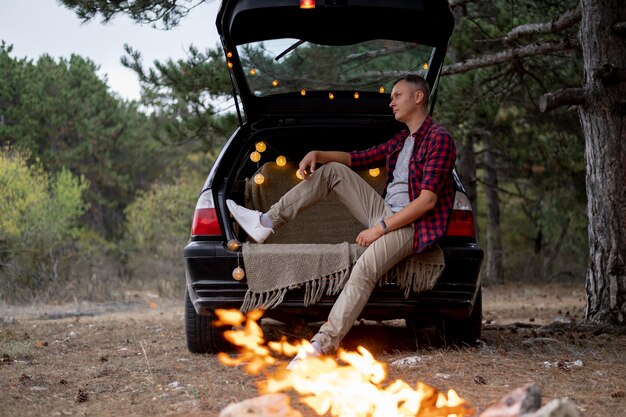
602,117
494,239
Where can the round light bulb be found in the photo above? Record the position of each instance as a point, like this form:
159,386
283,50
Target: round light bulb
303,92
381,90
229,54
374,172
275,83
229,64
331,96
356,95
255,156
233,245
259,179
252,71
260,146
425,66
298,174
281,161
239,273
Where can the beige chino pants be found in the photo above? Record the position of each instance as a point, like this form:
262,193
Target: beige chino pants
368,207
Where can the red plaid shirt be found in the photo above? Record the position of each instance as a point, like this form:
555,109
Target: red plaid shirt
430,168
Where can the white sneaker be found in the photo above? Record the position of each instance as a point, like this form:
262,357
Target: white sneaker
250,221
310,351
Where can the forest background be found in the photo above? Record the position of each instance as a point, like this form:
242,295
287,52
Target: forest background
98,192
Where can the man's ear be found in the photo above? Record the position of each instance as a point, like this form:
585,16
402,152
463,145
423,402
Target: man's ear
418,96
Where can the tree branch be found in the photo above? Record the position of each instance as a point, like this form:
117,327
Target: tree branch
563,97
566,20
511,54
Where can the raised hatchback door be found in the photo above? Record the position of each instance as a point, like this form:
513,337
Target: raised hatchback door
338,57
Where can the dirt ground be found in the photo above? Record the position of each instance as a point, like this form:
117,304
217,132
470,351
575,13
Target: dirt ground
131,359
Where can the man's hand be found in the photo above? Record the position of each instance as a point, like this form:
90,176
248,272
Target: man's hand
307,165
369,236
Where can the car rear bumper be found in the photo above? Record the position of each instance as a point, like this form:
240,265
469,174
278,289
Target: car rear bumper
209,266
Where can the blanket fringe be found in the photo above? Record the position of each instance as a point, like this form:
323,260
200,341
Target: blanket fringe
264,300
313,292
409,278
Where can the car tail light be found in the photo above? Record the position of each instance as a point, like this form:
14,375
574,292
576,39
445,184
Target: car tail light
462,218
205,217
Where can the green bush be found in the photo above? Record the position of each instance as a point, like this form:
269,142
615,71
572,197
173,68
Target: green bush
158,224
39,229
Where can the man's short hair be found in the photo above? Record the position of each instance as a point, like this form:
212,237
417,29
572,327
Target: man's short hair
418,82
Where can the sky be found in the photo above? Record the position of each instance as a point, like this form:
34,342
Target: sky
37,27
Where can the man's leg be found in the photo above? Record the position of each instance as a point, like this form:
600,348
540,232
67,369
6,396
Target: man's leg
365,204
377,259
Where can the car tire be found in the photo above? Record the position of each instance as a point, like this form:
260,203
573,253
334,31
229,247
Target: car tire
463,332
202,336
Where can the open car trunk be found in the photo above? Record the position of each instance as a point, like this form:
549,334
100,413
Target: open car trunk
318,78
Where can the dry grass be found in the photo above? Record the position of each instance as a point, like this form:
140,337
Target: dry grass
131,359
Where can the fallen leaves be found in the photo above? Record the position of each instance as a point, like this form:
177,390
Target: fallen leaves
563,365
82,396
478,379
25,379
410,361
618,394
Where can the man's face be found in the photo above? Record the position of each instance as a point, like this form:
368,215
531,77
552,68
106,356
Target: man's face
405,100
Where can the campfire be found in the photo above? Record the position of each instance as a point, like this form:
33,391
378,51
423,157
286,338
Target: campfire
353,385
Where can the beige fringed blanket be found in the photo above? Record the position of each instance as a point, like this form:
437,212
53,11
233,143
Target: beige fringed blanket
273,269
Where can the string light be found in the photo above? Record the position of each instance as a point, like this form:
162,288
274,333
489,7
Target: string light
307,4
233,245
381,90
356,95
303,92
229,54
298,174
252,71
425,66
281,161
260,146
238,273
331,96
374,172
275,83
255,156
229,64
259,179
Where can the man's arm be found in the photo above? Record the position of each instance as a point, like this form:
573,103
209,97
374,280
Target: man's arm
307,165
413,211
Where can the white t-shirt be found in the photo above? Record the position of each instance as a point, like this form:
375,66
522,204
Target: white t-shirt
397,196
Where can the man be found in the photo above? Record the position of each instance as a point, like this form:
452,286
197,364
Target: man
412,215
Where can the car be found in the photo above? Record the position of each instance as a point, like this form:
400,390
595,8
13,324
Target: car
316,74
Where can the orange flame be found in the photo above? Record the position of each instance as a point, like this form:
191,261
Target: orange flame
351,386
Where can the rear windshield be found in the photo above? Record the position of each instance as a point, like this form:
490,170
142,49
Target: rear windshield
290,65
